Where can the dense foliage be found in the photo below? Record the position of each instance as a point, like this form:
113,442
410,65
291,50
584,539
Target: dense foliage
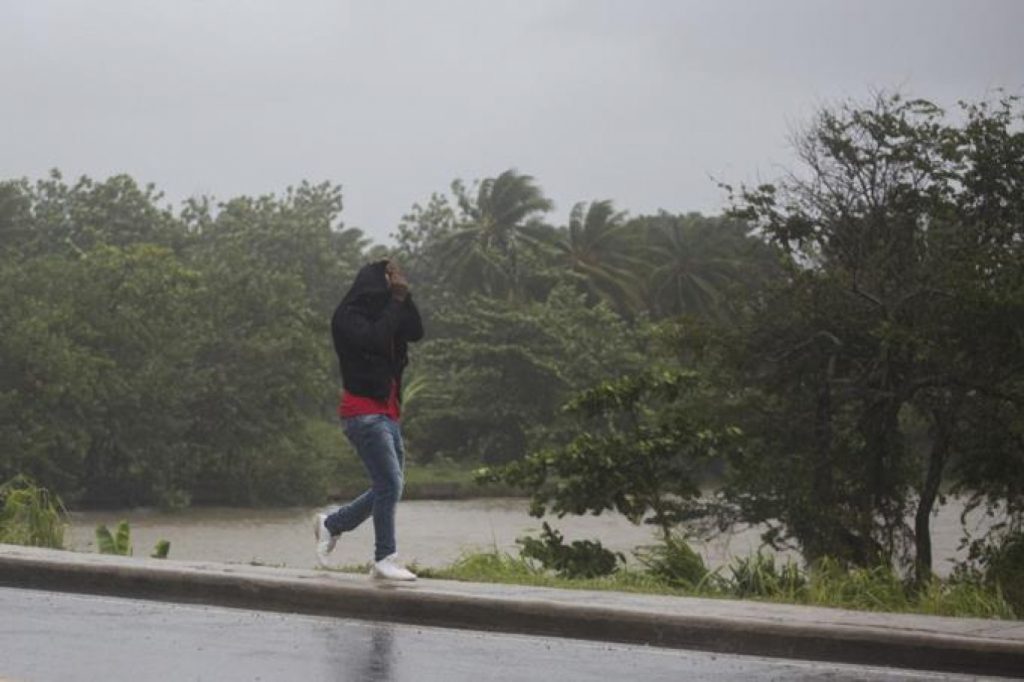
889,361
879,370
154,356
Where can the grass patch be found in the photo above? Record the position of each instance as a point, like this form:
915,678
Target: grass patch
751,578
501,567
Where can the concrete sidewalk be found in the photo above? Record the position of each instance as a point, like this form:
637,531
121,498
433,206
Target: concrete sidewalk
989,647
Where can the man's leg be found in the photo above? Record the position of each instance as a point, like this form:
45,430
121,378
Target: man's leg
396,434
351,516
398,447
374,441
386,566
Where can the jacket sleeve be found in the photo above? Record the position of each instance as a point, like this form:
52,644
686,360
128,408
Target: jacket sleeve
370,335
410,326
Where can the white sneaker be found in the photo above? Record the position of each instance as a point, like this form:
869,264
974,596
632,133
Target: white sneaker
324,540
388,569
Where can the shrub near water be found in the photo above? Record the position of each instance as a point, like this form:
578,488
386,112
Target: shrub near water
1006,570
581,559
996,564
30,515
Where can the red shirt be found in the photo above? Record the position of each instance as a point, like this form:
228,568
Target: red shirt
353,405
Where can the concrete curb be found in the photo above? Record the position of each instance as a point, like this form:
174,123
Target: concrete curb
922,642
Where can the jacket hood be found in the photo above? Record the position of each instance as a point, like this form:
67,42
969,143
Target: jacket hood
370,288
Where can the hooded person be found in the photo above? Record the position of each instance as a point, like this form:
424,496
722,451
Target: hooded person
371,328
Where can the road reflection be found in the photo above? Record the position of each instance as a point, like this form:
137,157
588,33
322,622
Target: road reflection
377,664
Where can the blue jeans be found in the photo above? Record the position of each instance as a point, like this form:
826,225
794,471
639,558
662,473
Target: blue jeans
378,442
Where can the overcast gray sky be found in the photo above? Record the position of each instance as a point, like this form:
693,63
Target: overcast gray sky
640,101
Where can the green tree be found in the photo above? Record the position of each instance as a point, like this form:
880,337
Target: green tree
898,320
70,219
420,241
420,233
154,358
494,371
95,370
299,234
484,253
642,447
594,246
693,262
263,368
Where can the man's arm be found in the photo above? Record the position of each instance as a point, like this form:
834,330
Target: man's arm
371,335
410,326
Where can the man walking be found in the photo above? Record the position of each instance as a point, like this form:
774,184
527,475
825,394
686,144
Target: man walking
371,328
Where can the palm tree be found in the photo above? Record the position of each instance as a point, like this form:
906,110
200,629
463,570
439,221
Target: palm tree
594,246
482,253
693,260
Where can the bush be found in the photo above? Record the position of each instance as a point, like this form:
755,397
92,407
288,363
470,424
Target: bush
581,559
30,515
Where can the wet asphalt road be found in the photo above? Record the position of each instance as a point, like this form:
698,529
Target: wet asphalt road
52,636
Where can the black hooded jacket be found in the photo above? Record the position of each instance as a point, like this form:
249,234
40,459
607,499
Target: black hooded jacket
371,332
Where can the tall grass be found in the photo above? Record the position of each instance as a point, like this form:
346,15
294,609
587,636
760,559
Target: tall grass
964,600
30,515
758,575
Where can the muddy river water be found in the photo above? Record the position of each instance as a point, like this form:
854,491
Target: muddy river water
430,533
